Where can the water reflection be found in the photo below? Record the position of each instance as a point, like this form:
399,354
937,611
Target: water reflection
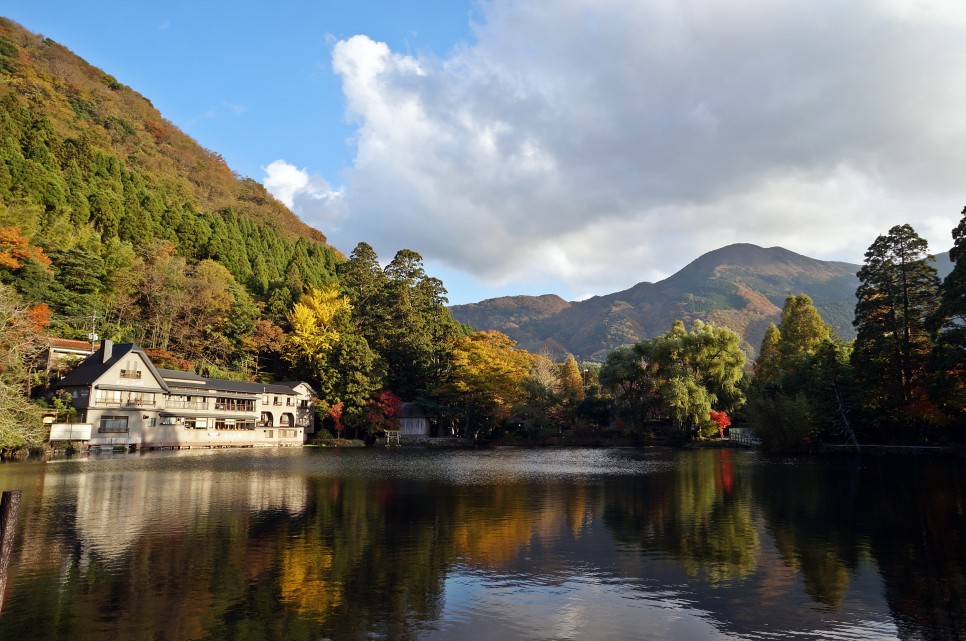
505,544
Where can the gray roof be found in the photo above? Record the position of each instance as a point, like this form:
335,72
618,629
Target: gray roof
92,368
191,381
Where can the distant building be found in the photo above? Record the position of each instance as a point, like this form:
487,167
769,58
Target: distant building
413,421
126,400
62,354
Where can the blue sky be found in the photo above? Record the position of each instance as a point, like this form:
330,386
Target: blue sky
574,147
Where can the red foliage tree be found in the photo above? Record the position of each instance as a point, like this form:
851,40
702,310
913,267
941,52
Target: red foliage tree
721,418
384,410
336,413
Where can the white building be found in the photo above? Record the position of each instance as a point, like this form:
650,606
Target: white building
125,400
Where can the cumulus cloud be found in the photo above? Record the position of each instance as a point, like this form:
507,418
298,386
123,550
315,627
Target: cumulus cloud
604,142
309,195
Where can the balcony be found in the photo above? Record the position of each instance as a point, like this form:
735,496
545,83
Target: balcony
186,405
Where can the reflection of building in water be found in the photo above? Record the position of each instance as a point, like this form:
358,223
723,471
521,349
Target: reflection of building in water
115,510
127,401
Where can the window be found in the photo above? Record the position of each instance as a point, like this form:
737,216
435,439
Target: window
130,373
169,420
108,397
286,433
151,422
196,423
187,402
269,433
288,400
235,404
278,401
140,399
113,424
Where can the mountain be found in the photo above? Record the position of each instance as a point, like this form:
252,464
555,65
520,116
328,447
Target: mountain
91,173
740,286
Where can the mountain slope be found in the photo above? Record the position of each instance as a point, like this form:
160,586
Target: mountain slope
89,166
740,286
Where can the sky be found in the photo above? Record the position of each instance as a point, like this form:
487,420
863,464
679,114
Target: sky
570,147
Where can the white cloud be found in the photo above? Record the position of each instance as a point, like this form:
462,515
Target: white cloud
604,142
308,195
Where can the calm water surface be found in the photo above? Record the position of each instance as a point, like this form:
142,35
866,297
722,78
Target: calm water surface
502,544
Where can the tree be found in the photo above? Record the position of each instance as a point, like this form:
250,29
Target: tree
571,382
802,330
628,374
15,249
768,366
21,341
948,361
486,380
680,374
317,320
897,294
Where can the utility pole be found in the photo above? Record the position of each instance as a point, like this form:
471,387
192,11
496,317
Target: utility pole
92,337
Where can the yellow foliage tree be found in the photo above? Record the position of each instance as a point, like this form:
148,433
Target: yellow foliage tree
316,321
487,377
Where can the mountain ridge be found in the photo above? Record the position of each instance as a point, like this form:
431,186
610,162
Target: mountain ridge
742,286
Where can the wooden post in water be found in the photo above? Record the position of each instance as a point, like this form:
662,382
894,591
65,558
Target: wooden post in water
9,506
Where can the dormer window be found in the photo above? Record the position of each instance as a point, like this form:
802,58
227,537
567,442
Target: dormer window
131,373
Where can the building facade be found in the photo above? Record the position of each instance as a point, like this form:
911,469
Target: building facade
126,400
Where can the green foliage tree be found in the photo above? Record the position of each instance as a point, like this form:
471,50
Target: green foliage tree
802,330
682,375
629,375
948,361
768,365
898,293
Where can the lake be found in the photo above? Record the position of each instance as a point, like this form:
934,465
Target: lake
499,544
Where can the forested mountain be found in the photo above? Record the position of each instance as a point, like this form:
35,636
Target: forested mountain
740,286
107,209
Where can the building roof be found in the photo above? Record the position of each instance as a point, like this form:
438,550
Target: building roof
92,368
72,345
191,381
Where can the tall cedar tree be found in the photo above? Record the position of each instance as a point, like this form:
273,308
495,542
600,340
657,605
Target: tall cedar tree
949,356
802,330
768,366
897,294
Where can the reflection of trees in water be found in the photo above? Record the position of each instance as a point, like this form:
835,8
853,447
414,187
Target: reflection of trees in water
809,509
698,514
907,514
351,557
919,543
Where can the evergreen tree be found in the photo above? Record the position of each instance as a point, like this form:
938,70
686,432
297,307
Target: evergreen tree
949,355
898,292
571,382
802,330
768,366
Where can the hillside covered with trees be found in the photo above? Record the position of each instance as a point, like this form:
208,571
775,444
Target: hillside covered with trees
108,210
